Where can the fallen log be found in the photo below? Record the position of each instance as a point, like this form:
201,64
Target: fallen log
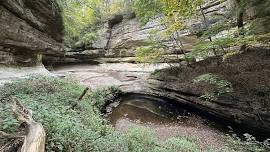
30,136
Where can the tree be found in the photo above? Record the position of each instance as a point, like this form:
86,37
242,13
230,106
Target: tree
240,6
174,13
81,13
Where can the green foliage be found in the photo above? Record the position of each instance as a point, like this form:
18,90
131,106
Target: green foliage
140,139
114,142
148,54
100,99
221,86
82,17
83,128
184,8
217,28
147,9
172,15
77,16
51,100
180,144
88,37
249,144
114,7
215,47
79,129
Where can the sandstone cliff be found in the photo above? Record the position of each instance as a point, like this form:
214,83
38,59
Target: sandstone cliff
29,29
248,103
119,36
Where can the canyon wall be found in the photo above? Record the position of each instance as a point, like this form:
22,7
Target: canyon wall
29,29
248,101
119,36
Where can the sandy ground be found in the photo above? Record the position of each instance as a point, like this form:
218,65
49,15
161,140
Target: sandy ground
8,74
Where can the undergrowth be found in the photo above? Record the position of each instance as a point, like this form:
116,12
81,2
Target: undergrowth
79,129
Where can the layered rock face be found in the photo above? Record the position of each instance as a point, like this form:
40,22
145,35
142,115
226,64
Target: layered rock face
249,74
29,29
119,37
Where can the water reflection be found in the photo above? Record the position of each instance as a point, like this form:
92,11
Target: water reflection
145,109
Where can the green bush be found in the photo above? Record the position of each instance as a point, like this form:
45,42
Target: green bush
51,100
148,54
140,139
220,86
181,144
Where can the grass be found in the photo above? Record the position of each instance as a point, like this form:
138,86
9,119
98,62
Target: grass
82,129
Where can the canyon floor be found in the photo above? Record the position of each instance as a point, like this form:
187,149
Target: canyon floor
131,78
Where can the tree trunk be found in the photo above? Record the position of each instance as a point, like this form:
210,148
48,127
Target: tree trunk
30,138
240,21
240,15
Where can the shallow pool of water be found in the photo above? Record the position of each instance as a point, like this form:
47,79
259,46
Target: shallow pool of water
166,118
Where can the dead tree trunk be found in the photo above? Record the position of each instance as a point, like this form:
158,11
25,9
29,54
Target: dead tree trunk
30,137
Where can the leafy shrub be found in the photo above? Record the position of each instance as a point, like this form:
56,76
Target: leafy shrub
249,144
140,139
145,9
114,142
221,86
174,144
51,100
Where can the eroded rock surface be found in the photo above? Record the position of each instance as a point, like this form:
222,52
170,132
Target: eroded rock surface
249,74
28,29
120,35
128,77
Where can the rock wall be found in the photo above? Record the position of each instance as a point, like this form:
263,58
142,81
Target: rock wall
128,34
119,37
248,104
29,29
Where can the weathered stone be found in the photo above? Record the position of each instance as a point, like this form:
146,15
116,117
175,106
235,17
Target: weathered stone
249,74
103,33
28,29
120,35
